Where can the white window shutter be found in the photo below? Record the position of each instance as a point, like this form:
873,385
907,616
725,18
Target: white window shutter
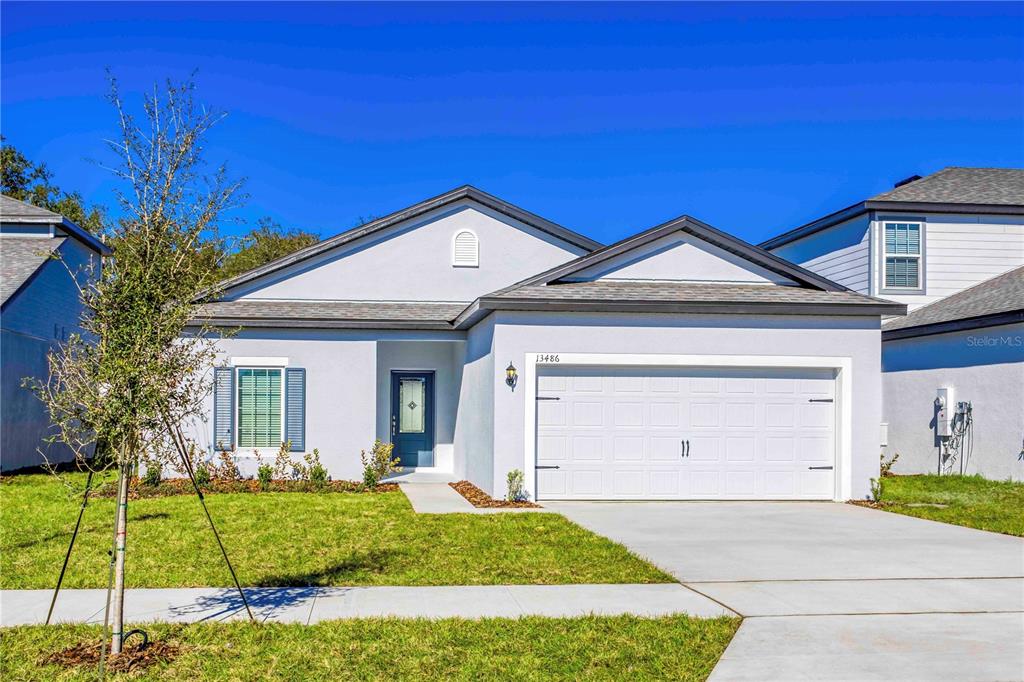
465,250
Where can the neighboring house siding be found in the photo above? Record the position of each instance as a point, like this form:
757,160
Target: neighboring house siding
841,253
51,296
959,251
517,334
984,367
412,261
46,310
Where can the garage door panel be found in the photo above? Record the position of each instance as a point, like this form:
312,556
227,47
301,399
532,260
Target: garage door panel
587,414
621,433
588,448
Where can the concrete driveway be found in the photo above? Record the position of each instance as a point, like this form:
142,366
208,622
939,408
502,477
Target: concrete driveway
833,591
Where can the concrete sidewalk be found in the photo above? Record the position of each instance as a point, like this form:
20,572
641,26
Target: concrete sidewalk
313,604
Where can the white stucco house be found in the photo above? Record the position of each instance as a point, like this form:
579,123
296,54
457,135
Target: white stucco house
41,255
679,363
951,247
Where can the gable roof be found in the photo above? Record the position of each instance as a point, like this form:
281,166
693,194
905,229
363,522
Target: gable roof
20,259
698,229
550,290
950,190
374,226
23,213
999,300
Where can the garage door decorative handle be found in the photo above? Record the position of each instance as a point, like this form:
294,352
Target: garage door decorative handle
684,448
820,400
824,468
547,467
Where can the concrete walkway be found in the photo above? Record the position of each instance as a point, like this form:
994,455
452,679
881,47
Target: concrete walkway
834,591
441,498
313,604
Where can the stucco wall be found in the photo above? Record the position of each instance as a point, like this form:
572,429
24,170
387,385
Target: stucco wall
474,427
412,261
517,334
984,367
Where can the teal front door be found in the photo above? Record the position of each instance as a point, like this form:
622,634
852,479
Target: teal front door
412,418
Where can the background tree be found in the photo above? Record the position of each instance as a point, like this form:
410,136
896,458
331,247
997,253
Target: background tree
266,242
24,180
135,376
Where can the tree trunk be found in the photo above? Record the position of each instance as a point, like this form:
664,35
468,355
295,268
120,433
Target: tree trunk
117,614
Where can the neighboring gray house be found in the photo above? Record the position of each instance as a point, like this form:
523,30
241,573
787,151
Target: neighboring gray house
945,245
679,363
39,307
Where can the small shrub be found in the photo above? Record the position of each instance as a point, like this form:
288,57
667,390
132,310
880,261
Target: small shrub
885,468
379,463
284,467
877,489
153,474
264,474
202,472
315,472
516,486
227,470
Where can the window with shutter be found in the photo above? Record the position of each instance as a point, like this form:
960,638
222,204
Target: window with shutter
260,408
295,408
902,255
465,250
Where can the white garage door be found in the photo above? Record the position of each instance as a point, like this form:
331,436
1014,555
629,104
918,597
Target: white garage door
643,433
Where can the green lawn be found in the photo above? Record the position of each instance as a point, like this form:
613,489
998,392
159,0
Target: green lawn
296,539
601,648
969,501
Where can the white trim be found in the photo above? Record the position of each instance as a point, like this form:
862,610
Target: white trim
476,250
258,362
844,395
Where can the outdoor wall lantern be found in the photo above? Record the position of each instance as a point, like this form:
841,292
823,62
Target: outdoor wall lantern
511,376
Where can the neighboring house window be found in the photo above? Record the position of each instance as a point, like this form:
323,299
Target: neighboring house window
902,255
465,250
260,408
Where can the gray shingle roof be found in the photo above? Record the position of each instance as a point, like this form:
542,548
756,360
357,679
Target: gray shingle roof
950,190
993,297
20,257
12,210
686,292
332,314
995,186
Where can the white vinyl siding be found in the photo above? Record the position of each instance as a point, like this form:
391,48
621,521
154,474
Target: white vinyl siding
902,255
840,253
260,408
466,250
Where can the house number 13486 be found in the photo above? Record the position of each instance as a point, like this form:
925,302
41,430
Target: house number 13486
547,357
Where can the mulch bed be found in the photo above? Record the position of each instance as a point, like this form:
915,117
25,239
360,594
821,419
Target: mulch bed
478,498
133,658
183,486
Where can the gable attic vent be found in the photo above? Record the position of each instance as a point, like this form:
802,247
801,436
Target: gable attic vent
465,250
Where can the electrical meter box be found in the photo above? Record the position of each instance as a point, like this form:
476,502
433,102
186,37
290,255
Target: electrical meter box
946,406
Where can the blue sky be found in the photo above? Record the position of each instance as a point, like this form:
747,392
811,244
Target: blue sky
605,118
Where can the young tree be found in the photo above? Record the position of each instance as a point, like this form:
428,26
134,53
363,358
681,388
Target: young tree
130,380
24,180
266,242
